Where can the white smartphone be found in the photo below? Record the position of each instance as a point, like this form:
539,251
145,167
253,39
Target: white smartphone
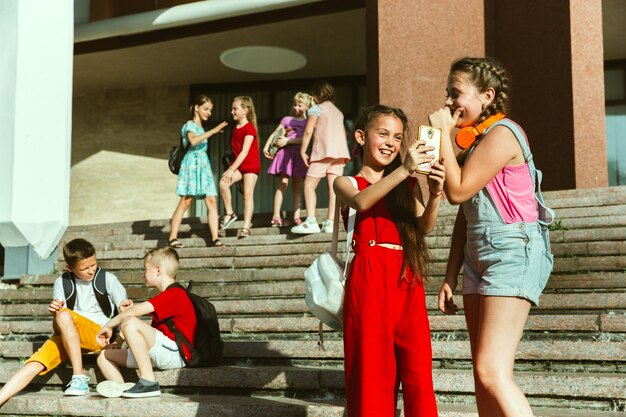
432,137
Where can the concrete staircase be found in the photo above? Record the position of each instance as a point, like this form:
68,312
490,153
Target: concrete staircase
571,361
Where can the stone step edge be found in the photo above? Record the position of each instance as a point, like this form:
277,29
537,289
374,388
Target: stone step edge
104,234
456,382
252,276
574,323
199,226
550,301
607,352
53,403
600,196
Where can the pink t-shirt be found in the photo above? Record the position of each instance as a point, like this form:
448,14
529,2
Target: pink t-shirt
329,136
512,192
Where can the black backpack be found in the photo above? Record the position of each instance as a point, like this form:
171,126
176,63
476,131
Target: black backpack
177,153
99,288
208,346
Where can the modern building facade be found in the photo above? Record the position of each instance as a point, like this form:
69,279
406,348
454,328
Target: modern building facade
137,63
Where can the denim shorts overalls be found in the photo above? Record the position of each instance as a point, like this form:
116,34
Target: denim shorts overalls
512,260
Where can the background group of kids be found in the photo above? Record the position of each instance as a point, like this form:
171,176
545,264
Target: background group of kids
386,331
314,118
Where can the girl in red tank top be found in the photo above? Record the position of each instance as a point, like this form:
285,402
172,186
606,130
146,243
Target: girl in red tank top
386,330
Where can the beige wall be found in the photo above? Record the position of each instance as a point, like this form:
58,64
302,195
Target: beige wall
120,142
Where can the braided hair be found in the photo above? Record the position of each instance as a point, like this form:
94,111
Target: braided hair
483,73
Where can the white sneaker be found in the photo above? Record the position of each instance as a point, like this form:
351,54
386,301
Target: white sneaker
328,226
307,227
113,389
79,385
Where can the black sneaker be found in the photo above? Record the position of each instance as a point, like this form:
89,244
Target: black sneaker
143,388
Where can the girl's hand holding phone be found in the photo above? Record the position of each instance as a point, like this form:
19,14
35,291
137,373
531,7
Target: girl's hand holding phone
416,155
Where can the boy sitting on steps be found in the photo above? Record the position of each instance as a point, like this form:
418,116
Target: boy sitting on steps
149,345
77,319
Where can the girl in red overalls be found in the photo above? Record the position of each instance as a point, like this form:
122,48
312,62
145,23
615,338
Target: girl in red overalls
386,330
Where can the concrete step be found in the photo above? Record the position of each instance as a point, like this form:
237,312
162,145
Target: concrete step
559,249
268,348
612,218
315,379
580,229
580,301
603,203
283,285
435,241
52,403
437,267
228,277
596,324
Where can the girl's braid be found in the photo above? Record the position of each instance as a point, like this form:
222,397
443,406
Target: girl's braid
483,73
502,87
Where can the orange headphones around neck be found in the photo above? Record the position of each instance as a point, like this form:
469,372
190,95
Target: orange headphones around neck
468,135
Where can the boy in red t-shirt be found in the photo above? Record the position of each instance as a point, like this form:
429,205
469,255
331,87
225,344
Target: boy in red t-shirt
149,345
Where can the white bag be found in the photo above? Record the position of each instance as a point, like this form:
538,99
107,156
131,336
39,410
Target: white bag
325,278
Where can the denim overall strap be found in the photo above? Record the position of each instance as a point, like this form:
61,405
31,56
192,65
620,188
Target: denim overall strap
546,214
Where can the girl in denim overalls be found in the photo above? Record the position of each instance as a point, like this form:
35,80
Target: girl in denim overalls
500,236
386,331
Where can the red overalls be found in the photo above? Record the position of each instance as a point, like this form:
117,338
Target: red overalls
386,331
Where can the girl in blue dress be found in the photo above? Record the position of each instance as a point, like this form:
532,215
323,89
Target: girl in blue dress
195,177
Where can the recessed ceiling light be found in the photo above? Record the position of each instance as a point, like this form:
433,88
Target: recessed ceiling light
263,59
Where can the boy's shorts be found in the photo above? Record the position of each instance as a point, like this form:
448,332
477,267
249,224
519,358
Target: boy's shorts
52,353
163,355
512,260
319,169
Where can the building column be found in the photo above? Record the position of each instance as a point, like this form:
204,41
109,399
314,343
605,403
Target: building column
554,51
410,46
36,53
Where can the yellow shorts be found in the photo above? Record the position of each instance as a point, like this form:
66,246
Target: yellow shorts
52,353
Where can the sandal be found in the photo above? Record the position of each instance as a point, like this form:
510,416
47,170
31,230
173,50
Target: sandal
175,243
227,220
297,220
217,243
278,222
244,233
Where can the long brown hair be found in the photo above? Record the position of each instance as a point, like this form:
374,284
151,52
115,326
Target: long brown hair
324,91
199,100
400,200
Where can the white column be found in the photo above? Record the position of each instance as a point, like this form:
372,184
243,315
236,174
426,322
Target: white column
36,58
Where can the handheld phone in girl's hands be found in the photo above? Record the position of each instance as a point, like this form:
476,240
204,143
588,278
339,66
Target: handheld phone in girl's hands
432,137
